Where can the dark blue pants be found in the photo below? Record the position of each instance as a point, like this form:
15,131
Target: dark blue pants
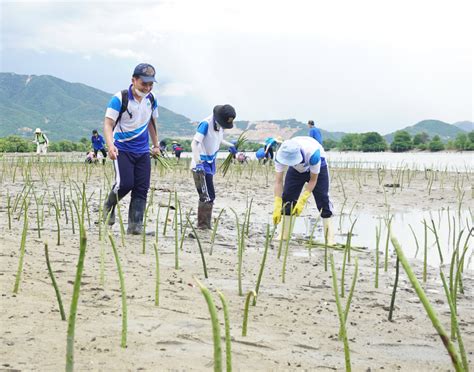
132,173
210,186
294,182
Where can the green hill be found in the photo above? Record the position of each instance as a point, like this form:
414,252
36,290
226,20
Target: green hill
432,127
467,126
63,110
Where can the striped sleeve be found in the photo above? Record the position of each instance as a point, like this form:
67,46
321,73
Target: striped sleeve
113,108
201,131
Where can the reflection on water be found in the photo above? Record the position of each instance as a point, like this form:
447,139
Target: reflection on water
447,229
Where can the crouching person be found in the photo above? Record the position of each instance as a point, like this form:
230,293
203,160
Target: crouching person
205,146
304,157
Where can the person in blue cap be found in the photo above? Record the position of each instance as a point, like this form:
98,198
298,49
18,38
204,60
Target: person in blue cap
304,157
98,144
205,145
270,147
130,120
315,132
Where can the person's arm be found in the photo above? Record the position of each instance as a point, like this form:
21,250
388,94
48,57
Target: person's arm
46,139
109,139
153,131
227,143
278,187
278,201
312,183
267,147
196,147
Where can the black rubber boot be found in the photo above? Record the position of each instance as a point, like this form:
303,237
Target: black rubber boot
135,216
204,215
109,206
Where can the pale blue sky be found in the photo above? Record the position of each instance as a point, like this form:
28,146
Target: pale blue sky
349,65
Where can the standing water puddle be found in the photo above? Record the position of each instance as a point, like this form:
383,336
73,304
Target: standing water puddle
364,233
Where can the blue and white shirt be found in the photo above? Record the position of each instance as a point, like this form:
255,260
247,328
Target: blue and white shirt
131,132
316,134
313,153
209,140
98,142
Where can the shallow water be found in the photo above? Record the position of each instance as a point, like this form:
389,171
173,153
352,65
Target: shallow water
440,161
364,232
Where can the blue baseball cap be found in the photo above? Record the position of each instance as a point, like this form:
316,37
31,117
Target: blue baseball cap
146,72
289,153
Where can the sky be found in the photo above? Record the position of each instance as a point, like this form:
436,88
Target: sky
352,66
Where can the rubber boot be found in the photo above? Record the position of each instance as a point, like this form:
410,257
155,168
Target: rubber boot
109,206
135,216
204,215
285,227
328,231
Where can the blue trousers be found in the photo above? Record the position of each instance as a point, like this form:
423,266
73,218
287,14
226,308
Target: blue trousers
210,169
294,182
132,173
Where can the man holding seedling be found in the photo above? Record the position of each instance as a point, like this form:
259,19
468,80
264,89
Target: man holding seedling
130,118
205,145
304,157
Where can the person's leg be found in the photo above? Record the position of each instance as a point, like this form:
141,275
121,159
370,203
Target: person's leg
210,187
321,193
321,196
142,173
104,154
124,182
205,207
294,182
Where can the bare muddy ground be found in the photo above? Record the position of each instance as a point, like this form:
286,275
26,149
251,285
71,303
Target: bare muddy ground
294,324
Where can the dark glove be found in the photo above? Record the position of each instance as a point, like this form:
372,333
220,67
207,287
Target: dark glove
233,150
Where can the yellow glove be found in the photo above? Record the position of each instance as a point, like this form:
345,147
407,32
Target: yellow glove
277,205
298,208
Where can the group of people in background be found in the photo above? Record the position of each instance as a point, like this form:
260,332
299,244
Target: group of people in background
131,121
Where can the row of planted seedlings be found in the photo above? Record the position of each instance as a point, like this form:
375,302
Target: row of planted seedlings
240,251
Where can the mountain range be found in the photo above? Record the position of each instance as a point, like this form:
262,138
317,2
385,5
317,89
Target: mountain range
65,110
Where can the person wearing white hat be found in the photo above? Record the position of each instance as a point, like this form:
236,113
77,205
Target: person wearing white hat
41,142
305,159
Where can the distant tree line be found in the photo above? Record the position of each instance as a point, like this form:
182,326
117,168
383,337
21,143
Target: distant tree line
365,142
402,141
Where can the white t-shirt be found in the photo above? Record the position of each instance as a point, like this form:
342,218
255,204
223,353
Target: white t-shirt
131,132
209,140
311,162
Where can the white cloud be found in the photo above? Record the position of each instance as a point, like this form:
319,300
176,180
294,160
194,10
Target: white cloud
175,89
366,61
